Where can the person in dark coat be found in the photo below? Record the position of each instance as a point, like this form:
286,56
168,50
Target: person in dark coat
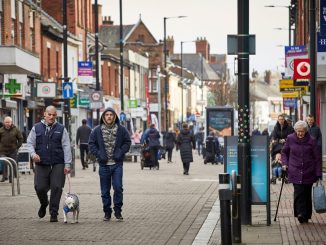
10,140
200,139
279,134
82,137
186,142
152,139
314,130
170,139
301,158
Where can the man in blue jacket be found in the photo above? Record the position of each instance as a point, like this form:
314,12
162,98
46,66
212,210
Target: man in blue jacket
109,142
49,145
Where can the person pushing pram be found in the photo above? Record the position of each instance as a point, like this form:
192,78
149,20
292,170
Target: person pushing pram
213,151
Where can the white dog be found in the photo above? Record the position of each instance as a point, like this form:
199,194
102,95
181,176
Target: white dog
71,204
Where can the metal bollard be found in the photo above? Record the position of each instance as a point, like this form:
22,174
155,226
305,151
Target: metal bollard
225,198
236,209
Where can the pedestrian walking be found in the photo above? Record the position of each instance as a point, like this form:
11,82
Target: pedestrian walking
170,140
136,137
314,131
49,145
186,142
152,139
301,158
10,141
279,134
199,136
109,142
82,137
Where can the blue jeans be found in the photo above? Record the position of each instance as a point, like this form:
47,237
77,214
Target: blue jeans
199,146
277,171
111,175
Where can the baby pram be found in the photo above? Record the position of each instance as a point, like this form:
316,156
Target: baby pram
146,158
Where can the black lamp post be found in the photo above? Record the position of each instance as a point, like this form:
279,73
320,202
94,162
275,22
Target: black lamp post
166,82
121,58
97,79
65,65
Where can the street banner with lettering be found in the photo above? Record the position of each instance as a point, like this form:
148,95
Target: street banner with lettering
85,72
322,15
291,53
321,49
260,167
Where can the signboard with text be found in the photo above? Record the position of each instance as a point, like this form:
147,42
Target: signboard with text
85,72
259,165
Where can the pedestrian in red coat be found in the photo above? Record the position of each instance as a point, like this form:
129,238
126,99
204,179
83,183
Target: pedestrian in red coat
301,158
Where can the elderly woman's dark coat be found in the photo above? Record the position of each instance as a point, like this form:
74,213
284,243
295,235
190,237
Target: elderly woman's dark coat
186,142
302,158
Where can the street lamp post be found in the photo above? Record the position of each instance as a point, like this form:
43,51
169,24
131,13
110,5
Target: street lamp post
121,58
97,79
166,82
181,74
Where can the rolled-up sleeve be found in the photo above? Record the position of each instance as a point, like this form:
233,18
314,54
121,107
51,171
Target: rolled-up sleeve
66,147
31,142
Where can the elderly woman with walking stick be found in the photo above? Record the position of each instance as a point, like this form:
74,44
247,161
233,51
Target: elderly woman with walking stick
301,158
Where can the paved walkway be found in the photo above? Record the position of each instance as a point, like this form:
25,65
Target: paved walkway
160,207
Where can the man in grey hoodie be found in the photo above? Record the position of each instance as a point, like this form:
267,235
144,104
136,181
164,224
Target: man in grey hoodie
109,142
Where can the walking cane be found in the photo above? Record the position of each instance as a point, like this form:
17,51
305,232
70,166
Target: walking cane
279,197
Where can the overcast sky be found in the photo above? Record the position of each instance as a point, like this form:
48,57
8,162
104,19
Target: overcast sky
214,20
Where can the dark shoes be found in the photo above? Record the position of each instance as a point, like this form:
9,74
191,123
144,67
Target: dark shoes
118,215
302,219
54,218
3,179
186,173
107,217
42,210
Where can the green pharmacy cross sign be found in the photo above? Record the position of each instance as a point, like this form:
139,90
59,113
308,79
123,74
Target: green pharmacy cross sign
12,86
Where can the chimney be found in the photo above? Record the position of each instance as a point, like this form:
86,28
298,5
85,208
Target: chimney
170,45
107,21
203,47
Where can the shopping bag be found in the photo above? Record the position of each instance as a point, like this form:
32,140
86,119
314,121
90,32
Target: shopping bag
319,198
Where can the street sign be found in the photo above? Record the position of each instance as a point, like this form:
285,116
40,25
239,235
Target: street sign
96,105
46,90
96,96
67,91
290,95
298,88
301,69
85,72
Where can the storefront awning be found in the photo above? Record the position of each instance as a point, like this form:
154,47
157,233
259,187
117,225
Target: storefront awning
18,61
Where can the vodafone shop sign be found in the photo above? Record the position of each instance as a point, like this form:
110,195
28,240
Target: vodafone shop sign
301,69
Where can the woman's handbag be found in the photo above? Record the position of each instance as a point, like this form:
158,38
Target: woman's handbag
319,198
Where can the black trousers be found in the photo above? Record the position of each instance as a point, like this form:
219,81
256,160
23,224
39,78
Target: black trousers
186,166
83,148
169,150
302,200
49,177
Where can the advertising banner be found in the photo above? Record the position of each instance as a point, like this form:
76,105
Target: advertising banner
322,15
220,121
291,53
259,165
85,72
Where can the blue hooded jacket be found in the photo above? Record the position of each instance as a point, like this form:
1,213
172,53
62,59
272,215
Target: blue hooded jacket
122,142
